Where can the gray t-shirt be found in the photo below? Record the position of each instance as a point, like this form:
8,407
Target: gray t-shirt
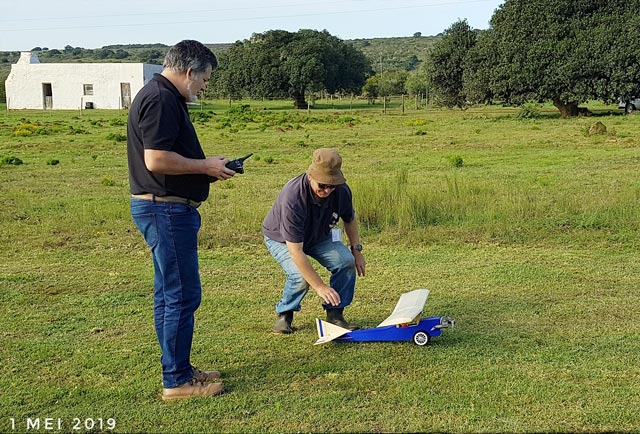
298,216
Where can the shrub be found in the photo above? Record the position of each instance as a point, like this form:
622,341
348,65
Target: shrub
529,110
25,129
11,160
73,130
118,122
199,117
108,182
456,161
117,137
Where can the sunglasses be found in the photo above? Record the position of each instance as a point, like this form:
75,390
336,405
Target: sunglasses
326,186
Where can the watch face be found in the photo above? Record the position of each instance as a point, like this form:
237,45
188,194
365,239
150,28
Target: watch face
357,247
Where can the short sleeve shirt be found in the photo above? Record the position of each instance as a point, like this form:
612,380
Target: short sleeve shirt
159,119
298,216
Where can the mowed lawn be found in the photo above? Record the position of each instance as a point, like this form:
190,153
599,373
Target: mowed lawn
524,227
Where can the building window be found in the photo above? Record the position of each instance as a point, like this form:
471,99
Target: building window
88,89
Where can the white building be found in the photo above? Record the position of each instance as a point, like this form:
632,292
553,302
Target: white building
73,86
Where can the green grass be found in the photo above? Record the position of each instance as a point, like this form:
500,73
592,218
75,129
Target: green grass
531,246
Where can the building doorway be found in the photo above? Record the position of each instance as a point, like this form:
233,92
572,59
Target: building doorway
125,95
47,96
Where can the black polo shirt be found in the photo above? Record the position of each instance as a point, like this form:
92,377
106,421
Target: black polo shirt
298,216
159,119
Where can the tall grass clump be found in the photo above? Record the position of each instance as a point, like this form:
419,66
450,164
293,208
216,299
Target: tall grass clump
491,206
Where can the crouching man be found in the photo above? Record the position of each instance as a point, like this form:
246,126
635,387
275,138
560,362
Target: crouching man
303,222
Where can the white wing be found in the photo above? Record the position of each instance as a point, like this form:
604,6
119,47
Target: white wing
409,306
328,332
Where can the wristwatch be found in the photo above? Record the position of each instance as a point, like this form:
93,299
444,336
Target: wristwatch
357,247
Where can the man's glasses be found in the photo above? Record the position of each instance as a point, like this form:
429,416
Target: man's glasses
326,186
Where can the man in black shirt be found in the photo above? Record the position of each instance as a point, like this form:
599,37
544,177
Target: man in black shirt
169,179
303,221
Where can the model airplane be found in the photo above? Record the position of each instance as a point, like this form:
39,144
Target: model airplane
399,326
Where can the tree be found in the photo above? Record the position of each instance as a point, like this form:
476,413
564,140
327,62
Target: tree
278,63
565,51
371,88
104,53
392,83
412,63
120,54
447,63
417,82
3,92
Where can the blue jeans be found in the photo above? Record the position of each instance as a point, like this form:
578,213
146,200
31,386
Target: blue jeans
334,256
171,232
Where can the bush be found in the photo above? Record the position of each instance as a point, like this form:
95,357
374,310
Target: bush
73,130
11,160
456,161
529,110
117,137
118,122
199,117
26,129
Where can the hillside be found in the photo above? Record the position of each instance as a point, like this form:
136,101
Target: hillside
395,53
391,53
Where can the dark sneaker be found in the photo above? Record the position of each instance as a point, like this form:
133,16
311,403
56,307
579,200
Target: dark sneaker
192,389
205,376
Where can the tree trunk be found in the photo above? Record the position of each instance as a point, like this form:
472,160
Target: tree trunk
299,101
567,110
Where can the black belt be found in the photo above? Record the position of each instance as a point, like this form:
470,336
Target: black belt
171,199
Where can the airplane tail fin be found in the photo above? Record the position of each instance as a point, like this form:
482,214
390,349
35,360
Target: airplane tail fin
328,332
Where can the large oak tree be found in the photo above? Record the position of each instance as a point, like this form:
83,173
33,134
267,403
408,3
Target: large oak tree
446,63
281,64
565,51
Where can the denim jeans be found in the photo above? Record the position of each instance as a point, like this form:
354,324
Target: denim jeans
171,232
334,256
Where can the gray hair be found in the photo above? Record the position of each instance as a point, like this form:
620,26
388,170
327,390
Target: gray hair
189,54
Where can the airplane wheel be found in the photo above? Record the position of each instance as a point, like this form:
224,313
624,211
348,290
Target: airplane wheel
629,108
421,338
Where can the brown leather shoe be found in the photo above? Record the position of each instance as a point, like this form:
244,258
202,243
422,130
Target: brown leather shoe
205,376
192,389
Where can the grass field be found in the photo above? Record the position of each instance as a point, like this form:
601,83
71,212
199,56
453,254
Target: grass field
524,228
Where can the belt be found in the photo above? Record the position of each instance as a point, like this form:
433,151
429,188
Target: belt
171,199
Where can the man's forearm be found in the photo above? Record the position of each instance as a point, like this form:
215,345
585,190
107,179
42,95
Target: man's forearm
351,229
302,262
172,163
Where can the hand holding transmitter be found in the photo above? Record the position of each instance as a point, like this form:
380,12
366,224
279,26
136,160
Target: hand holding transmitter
236,165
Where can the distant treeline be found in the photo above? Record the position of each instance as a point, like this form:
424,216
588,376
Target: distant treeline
383,53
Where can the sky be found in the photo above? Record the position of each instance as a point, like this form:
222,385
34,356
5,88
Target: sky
26,24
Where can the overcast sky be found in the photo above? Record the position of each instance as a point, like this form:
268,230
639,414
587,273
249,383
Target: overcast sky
25,24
